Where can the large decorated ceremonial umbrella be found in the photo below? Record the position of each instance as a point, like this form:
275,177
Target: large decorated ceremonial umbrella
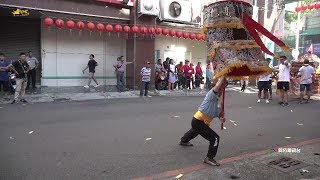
233,43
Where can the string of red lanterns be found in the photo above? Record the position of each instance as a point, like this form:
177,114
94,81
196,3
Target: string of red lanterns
70,24
309,6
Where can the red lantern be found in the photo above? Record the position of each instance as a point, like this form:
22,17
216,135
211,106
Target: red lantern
178,34
151,30
298,9
80,25
192,36
59,23
185,35
100,27
198,37
48,22
165,32
172,32
70,24
317,5
143,30
203,38
158,31
91,26
126,29
135,29
304,7
310,6
109,28
118,28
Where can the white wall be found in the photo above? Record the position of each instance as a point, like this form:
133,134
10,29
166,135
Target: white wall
198,49
65,54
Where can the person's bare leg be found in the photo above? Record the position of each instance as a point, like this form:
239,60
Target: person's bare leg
266,95
282,95
95,80
301,96
285,96
309,95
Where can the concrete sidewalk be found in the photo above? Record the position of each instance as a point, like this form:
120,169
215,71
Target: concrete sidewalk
105,93
94,94
258,167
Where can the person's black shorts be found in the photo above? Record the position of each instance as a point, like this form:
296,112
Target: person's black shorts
305,86
283,86
263,85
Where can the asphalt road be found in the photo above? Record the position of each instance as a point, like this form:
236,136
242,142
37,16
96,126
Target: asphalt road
107,139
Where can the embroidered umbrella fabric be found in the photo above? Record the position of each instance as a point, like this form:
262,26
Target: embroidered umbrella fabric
234,46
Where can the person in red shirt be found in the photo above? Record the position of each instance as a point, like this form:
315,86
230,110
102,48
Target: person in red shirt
186,74
199,75
179,68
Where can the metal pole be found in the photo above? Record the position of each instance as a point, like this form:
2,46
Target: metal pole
298,28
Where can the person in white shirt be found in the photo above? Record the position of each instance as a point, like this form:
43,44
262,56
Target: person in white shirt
284,80
145,80
306,72
263,84
172,75
33,65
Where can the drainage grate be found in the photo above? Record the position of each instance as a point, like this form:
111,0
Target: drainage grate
286,164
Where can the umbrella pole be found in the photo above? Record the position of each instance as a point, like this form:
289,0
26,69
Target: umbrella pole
222,106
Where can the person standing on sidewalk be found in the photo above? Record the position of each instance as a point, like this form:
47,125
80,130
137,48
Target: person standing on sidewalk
21,69
145,80
172,75
120,69
4,74
186,74
92,64
198,75
33,65
201,121
179,68
263,85
208,77
284,80
306,72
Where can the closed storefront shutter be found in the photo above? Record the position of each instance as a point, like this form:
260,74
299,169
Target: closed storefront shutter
20,34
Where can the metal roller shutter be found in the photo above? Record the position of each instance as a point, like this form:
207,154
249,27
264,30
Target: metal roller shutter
18,34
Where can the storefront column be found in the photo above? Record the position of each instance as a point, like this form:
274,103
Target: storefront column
140,49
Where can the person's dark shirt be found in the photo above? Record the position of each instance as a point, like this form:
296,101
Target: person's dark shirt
92,65
4,75
21,68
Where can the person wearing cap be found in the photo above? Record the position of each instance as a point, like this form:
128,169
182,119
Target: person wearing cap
145,80
200,124
306,73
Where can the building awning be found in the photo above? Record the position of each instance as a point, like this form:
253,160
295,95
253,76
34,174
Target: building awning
311,31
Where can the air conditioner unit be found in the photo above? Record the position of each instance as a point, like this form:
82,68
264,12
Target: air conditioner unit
175,10
149,7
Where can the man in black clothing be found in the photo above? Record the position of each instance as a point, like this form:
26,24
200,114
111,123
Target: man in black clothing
92,69
21,69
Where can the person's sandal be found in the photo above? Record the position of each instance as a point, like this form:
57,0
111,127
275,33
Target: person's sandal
211,162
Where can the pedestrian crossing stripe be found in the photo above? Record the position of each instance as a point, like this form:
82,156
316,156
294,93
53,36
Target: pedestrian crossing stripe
248,90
